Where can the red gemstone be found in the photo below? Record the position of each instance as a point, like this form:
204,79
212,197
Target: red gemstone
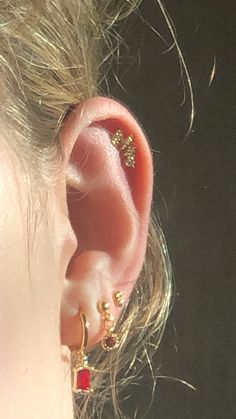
83,379
110,341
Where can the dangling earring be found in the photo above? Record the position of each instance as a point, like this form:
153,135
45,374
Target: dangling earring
82,371
110,340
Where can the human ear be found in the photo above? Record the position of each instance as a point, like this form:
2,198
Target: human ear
108,208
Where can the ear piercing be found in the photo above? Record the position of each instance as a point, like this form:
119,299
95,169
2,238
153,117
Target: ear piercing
125,146
110,340
82,371
118,298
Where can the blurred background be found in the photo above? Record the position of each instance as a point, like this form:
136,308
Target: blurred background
195,178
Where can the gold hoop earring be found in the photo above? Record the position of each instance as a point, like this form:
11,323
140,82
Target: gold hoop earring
82,370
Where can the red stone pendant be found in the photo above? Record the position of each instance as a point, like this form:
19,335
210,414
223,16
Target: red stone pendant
110,342
82,371
82,380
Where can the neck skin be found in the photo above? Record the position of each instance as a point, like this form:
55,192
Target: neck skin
35,379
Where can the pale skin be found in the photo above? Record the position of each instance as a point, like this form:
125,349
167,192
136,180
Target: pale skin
84,249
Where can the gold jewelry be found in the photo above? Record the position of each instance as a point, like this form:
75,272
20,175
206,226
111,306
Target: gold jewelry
125,146
82,371
118,298
110,340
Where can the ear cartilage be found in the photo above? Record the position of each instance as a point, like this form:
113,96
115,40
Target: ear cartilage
75,179
125,146
110,340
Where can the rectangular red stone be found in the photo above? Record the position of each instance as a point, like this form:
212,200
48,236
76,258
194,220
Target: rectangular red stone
83,379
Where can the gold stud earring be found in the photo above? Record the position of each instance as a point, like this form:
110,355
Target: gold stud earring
118,298
110,340
125,146
82,370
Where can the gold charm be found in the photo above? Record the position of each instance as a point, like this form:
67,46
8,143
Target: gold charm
110,340
125,146
118,298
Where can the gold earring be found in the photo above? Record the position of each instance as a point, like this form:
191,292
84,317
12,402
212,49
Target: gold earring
118,298
82,371
125,146
110,340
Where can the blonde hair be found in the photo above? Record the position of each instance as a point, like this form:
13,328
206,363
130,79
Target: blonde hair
52,57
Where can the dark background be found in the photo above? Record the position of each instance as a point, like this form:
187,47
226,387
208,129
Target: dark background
194,196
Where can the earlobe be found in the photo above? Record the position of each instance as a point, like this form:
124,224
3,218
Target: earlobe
109,201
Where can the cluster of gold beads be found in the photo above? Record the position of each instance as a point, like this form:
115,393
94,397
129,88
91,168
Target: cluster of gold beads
125,146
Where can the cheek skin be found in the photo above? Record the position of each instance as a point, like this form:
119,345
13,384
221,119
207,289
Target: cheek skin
33,373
